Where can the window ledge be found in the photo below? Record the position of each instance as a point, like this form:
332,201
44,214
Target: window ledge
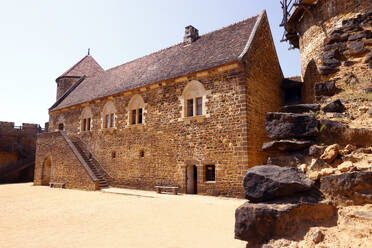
210,182
134,126
198,118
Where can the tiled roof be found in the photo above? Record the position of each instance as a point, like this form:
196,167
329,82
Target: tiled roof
87,66
212,49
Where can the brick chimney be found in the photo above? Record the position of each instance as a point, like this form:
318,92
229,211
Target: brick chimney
191,34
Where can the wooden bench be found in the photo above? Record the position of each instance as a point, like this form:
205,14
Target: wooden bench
56,185
173,189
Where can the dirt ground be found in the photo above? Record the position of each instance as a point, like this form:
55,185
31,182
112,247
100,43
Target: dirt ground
39,216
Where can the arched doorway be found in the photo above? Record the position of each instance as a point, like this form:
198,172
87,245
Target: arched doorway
45,176
191,179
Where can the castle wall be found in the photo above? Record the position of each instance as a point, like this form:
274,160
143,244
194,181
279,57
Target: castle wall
314,30
63,167
17,147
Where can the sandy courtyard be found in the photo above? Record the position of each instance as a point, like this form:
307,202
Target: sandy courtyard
37,216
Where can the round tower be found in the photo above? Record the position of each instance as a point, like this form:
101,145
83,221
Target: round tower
335,41
63,84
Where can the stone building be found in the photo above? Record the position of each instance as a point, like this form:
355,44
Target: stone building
335,42
191,115
17,151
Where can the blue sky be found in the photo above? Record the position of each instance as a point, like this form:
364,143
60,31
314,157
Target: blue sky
39,40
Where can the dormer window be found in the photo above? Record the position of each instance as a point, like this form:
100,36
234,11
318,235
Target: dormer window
193,98
136,110
86,119
109,111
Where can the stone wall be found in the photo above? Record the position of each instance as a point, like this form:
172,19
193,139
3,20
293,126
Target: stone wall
263,79
17,147
63,84
64,166
168,141
315,30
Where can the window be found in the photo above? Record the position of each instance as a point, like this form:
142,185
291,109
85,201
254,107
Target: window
193,98
210,173
88,124
112,119
142,153
190,107
61,126
194,105
199,106
86,119
113,154
136,110
109,111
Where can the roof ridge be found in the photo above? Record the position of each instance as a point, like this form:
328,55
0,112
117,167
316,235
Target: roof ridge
180,43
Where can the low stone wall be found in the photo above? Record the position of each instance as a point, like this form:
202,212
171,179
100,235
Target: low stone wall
56,162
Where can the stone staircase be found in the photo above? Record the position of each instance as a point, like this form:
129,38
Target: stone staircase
103,178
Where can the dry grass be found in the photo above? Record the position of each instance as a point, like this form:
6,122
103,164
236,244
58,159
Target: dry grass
36,216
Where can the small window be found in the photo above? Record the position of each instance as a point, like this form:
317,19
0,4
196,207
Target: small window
88,124
113,154
61,126
112,120
84,124
190,107
199,106
107,121
210,173
140,116
134,116
142,153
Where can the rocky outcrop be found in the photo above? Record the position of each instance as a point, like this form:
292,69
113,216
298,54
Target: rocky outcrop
267,182
291,159
288,125
336,132
345,42
348,188
260,222
285,145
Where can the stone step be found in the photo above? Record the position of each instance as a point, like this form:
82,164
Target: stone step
300,108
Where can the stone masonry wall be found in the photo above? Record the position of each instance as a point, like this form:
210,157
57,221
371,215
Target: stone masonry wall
17,147
170,142
315,31
264,76
65,167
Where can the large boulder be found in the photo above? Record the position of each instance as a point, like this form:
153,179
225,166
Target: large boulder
258,222
267,182
335,106
348,188
292,159
288,125
285,145
336,132
327,88
300,108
